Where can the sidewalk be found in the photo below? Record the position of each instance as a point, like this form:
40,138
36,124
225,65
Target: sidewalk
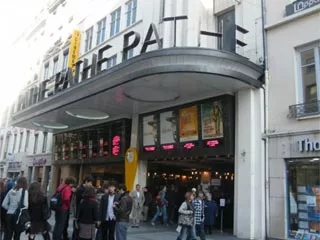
148,232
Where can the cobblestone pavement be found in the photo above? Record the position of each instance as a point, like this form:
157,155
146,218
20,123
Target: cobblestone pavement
148,232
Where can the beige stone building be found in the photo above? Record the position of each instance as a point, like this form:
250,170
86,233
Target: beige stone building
293,107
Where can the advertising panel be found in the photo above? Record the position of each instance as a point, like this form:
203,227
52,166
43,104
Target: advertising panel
212,120
74,50
168,127
150,130
188,124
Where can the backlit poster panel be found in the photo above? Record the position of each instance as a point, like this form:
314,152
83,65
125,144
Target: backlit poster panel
212,120
150,129
168,127
188,124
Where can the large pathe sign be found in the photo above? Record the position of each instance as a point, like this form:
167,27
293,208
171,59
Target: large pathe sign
300,5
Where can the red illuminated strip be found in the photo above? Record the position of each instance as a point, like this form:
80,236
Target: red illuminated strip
116,145
168,147
213,143
189,146
150,149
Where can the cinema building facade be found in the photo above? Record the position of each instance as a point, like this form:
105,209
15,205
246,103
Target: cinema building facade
167,97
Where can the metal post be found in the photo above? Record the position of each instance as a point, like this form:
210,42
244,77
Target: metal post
221,230
175,32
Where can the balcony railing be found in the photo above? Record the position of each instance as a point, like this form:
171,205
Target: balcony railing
304,109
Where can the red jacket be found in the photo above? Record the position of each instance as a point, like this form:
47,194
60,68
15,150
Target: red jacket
66,196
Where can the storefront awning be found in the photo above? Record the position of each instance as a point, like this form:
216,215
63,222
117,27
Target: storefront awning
150,81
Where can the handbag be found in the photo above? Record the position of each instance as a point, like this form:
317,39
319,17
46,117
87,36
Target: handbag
22,215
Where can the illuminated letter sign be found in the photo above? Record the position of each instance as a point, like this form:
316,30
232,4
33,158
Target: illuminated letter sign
74,50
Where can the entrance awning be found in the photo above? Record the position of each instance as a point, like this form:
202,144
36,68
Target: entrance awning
148,82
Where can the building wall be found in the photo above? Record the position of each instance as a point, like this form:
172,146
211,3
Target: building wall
285,35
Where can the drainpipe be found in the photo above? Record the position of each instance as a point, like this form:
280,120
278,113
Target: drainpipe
265,137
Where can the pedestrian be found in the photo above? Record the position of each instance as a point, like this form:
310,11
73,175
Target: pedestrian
186,218
87,216
210,214
172,196
146,204
39,212
3,211
87,182
198,205
162,209
11,203
101,192
107,215
137,196
123,209
62,214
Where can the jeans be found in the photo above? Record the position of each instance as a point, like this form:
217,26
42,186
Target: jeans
160,210
121,230
186,233
11,230
61,217
200,231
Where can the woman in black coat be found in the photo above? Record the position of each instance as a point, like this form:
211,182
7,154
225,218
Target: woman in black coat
39,212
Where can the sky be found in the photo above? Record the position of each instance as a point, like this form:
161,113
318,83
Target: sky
15,17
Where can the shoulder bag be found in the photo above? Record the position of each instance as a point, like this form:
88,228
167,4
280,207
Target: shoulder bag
22,215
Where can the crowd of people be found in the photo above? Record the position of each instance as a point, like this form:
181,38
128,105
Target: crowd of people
102,213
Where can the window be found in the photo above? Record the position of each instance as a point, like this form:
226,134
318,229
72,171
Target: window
115,22
45,141
303,196
6,145
131,12
65,60
55,66
15,136
162,10
88,41
309,60
46,71
130,53
36,140
26,146
101,31
20,141
227,26
112,61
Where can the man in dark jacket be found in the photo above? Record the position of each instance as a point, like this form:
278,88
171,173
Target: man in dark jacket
87,182
107,213
123,209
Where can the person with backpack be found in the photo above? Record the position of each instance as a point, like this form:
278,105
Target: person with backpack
11,203
39,212
60,203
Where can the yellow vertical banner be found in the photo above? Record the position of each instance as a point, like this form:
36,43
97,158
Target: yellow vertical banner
74,50
131,166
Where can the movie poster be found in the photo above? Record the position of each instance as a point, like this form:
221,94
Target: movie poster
212,120
168,127
188,120
150,130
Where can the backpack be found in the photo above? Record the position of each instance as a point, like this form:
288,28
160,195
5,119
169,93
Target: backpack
56,200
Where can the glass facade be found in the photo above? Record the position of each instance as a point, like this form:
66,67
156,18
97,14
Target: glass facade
102,141
304,198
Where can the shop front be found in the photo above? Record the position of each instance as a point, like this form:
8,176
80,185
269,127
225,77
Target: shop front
39,170
192,145
97,150
299,160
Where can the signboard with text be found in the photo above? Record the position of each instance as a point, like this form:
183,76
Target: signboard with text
300,5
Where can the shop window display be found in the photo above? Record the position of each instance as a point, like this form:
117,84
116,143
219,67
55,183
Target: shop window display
304,198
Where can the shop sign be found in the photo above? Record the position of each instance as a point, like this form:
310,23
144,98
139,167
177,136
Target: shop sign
39,162
307,145
300,5
188,124
212,120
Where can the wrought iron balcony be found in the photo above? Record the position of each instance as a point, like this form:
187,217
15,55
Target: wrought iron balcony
304,109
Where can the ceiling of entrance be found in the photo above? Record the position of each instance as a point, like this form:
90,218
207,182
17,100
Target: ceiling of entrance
123,99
